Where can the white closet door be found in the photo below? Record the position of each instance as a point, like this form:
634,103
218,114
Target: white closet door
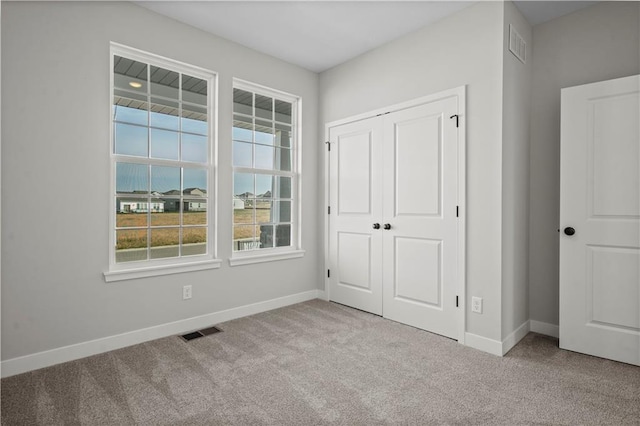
355,191
420,190
600,220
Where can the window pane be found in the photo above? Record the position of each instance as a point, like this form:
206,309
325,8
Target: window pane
194,212
128,214
131,140
194,148
266,236
264,133
194,90
165,180
264,157
162,217
284,187
132,178
194,119
283,111
264,107
129,74
243,185
242,102
283,209
128,111
283,135
242,154
283,159
194,182
165,144
263,211
194,241
131,245
283,235
245,214
164,83
164,114
264,186
244,238
242,129
165,243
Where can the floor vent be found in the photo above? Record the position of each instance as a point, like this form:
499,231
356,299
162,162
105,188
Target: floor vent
200,333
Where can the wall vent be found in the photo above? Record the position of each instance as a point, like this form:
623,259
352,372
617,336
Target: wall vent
517,46
200,333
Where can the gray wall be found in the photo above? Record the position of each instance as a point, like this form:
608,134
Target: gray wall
597,43
516,97
465,48
55,148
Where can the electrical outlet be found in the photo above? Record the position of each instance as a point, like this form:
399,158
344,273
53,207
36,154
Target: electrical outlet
476,304
186,292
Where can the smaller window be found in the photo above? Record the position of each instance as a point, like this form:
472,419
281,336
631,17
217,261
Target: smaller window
265,170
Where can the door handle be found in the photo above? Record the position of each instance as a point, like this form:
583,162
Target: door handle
376,226
569,231
387,226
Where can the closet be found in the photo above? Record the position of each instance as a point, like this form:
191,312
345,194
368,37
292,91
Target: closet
395,207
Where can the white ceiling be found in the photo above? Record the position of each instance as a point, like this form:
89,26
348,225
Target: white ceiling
318,35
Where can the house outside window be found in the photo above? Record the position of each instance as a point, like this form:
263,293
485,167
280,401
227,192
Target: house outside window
266,171
162,148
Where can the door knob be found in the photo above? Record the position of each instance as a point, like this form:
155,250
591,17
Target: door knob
387,226
569,231
376,226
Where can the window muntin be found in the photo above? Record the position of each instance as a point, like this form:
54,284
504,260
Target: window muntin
161,156
264,170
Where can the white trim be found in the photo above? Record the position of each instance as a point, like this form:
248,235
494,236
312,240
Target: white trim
261,257
545,328
494,347
512,339
154,271
38,360
460,93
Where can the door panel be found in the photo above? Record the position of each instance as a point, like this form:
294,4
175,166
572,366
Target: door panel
600,199
420,249
355,254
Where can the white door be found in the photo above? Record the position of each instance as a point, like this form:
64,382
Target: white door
420,198
393,242
355,188
600,220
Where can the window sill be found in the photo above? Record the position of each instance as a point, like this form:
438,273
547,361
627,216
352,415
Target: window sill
270,257
154,271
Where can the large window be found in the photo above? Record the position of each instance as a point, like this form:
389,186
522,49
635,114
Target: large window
162,146
265,170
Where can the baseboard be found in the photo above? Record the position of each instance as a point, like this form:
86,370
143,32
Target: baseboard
544,328
323,295
484,344
518,334
51,357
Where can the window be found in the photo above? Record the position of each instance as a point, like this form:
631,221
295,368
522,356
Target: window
161,154
265,171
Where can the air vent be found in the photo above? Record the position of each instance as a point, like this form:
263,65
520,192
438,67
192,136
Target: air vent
517,46
200,333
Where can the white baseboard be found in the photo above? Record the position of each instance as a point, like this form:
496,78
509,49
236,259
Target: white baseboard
518,334
484,344
323,295
51,357
544,328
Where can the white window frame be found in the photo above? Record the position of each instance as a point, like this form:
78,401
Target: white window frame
295,249
156,267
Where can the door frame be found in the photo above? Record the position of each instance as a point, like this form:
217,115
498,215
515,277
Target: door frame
460,93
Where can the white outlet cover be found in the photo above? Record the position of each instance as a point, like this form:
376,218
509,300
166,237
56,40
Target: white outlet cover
476,304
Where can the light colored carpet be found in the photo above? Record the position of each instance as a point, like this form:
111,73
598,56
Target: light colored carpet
323,363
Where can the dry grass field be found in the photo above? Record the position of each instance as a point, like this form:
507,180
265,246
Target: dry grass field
137,238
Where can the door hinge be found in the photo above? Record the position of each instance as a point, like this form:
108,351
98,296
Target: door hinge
456,301
328,209
328,145
457,211
328,273
456,116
